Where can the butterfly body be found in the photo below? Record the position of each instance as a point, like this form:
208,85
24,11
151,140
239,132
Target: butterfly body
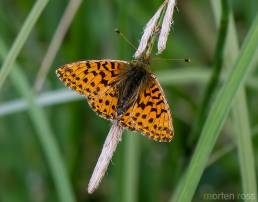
131,82
124,91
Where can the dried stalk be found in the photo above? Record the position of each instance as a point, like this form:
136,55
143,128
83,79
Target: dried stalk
111,142
144,49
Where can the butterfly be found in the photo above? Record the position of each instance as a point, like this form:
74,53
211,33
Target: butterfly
123,91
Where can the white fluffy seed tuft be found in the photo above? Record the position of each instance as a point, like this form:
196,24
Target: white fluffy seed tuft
149,28
166,25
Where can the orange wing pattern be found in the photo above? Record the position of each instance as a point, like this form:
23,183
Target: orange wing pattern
95,79
150,114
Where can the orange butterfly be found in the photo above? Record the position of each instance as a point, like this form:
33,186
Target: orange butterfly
124,91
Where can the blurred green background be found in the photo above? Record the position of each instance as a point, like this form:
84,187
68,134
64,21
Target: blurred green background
141,169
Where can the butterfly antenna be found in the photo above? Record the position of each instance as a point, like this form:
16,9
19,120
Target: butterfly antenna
125,38
172,59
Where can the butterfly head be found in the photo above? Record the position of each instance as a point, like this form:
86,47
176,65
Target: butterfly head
142,63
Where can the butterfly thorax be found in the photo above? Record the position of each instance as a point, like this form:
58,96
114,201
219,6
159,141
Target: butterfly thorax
134,79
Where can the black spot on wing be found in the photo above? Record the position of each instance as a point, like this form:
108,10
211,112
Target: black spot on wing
112,65
163,110
88,65
104,82
94,73
104,65
98,64
150,120
140,123
155,90
102,74
160,102
153,110
149,104
113,74
146,94
156,97
142,105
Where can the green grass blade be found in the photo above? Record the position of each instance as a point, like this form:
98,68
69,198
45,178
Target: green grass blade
184,75
56,42
131,172
21,38
217,116
241,120
216,72
43,100
244,145
228,148
45,135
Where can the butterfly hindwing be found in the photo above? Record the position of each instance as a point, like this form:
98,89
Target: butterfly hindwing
95,79
150,114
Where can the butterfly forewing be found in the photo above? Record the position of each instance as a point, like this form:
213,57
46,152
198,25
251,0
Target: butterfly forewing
150,114
96,79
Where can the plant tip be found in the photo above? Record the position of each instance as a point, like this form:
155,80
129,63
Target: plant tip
117,30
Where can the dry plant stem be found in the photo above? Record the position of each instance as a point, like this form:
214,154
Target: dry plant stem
56,42
111,142
115,133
